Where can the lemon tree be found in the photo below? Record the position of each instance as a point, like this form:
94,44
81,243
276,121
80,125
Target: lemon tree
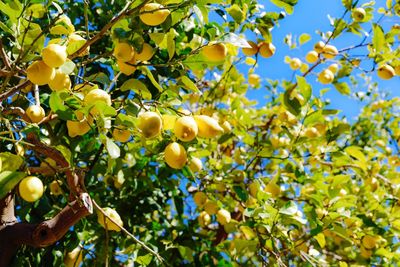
130,134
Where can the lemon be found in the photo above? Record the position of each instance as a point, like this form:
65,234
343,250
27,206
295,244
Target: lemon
326,76
208,127
319,47
330,51
74,257
204,219
175,155
54,55
200,198
312,56
250,51
295,63
185,128
60,81
214,52
266,50
97,95
39,73
121,135
107,223
124,52
55,188
334,68
254,80
31,188
358,14
195,164
153,14
386,72
146,53
223,216
369,242
35,113
127,68
150,124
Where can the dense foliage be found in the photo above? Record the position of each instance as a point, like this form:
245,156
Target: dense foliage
288,182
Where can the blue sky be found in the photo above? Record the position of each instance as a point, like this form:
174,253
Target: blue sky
308,17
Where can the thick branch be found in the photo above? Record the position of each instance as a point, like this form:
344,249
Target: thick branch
43,234
73,179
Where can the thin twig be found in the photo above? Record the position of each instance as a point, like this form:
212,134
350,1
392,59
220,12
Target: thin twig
131,235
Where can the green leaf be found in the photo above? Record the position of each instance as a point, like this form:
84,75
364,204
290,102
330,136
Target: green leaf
5,28
148,73
378,39
138,87
10,162
286,4
144,260
242,194
189,84
112,149
304,38
186,253
292,105
343,88
320,239
304,88
8,180
290,208
171,43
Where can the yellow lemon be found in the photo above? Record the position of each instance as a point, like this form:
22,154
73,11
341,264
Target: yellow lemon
185,128
254,79
31,188
39,73
295,63
150,124
175,155
35,113
223,216
358,14
54,55
153,14
312,57
369,242
200,198
55,188
330,51
146,53
124,52
195,164
250,51
204,219
211,207
266,50
208,127
326,76
60,81
319,47
385,72
214,52
334,68
97,95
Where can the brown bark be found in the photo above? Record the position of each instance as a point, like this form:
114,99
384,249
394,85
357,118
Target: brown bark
13,235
